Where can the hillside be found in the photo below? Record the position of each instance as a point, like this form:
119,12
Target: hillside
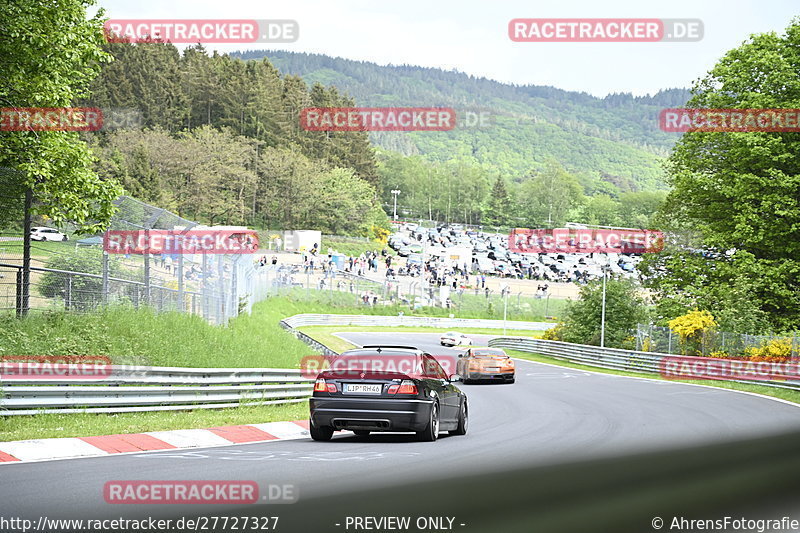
614,139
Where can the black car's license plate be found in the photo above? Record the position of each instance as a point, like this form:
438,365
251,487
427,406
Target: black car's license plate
367,388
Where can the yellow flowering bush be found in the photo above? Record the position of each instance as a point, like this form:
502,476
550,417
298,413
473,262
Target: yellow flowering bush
647,345
691,329
554,333
380,234
775,351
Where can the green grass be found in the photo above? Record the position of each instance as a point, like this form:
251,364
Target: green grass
326,334
90,425
11,251
167,339
349,246
466,306
783,394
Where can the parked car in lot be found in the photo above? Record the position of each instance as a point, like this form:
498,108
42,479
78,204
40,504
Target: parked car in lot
47,234
453,338
479,363
363,392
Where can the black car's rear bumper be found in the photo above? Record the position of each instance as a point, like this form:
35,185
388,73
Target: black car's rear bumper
372,414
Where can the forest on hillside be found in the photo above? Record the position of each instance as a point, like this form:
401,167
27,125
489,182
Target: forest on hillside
615,138
220,141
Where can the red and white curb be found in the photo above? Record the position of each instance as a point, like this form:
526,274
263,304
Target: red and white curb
68,448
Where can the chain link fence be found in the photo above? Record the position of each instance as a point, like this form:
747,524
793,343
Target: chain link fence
78,275
650,338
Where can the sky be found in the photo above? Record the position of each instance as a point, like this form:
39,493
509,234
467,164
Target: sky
471,36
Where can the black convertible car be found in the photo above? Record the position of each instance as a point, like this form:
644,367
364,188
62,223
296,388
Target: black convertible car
387,388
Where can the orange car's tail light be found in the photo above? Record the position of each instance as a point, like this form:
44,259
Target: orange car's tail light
405,387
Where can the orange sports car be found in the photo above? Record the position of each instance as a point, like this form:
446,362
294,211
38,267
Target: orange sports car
486,364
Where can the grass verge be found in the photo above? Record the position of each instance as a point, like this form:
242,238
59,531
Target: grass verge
89,425
783,394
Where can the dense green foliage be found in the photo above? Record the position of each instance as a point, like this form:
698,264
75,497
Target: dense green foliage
221,142
614,139
466,192
624,309
738,193
55,165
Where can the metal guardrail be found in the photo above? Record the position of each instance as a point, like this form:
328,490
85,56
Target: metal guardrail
154,389
609,358
395,321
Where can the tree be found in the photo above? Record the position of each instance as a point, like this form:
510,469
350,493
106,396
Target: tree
636,209
545,199
741,191
624,309
51,52
498,209
601,210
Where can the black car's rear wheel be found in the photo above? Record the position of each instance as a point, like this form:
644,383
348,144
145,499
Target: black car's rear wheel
321,433
431,431
463,420
361,432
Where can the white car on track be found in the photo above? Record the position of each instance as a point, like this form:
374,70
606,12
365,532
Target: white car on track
452,338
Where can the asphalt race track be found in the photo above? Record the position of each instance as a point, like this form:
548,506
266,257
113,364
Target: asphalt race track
550,415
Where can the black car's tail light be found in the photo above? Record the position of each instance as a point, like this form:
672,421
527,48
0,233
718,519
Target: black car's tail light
321,386
405,387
